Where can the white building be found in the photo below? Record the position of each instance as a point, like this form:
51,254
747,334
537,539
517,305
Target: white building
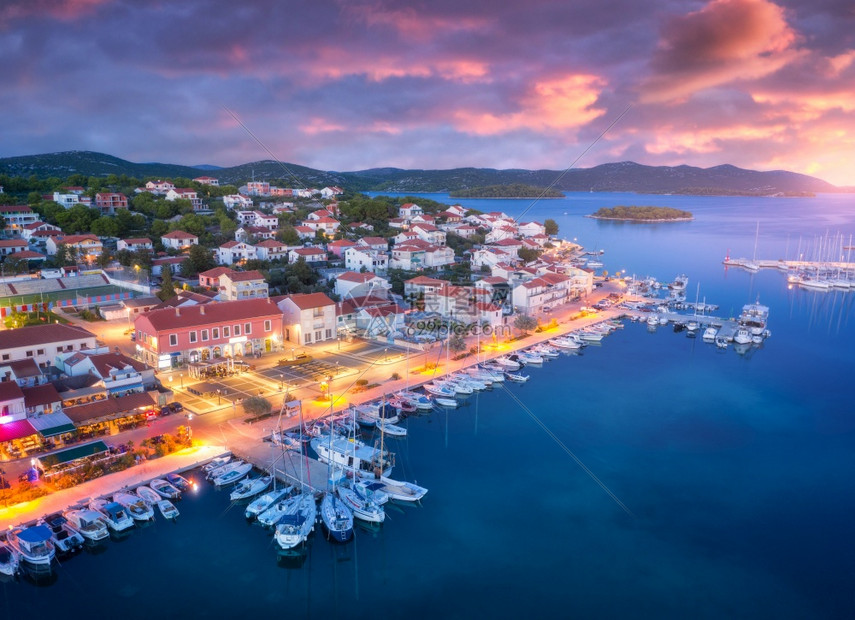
271,249
238,285
179,239
353,284
355,259
133,245
310,255
237,201
233,252
42,343
308,318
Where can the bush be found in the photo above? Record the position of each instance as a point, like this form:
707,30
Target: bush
361,382
395,376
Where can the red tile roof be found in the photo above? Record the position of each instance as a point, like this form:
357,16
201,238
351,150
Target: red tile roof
24,368
138,241
41,334
245,276
9,390
207,314
270,243
26,254
353,276
13,243
375,241
309,251
308,301
216,272
108,407
179,234
15,209
40,395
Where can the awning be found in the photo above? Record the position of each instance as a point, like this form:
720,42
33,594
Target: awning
16,430
52,424
72,454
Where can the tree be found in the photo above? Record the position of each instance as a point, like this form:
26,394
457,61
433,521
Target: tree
528,254
105,227
551,227
456,342
13,265
104,259
256,406
198,259
167,287
525,323
288,235
65,256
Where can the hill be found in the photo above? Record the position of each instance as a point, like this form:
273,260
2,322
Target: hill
615,177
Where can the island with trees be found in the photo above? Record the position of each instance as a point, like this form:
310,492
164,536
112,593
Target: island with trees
514,190
642,214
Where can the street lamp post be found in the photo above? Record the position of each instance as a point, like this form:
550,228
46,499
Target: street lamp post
281,382
219,402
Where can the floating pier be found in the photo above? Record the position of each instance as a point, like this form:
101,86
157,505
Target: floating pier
285,464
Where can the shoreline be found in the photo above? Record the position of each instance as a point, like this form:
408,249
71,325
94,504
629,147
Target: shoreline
640,221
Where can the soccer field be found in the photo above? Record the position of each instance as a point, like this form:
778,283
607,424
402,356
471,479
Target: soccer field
36,298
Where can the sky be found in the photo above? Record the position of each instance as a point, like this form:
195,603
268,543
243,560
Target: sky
355,84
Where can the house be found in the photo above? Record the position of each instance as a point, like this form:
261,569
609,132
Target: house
185,193
247,233
541,293
178,239
271,249
25,372
354,284
134,245
308,318
237,201
66,200
498,289
119,374
489,257
208,181
510,246
500,233
420,285
211,278
167,337
39,238
245,217
187,298
418,254
85,248
12,408
399,223
158,187
27,231
173,263
304,232
265,220
378,244
42,343
318,214
232,252
330,192
409,210
12,246
339,246
357,258
258,188
310,255
467,231
429,233
530,229
243,285
326,225
380,321
456,210
16,217
108,202
405,237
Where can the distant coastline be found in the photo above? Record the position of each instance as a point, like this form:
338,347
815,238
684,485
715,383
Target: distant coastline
506,192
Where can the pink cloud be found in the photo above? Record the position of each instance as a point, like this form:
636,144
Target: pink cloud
419,26
59,9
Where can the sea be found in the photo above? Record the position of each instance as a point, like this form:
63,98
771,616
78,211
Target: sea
652,476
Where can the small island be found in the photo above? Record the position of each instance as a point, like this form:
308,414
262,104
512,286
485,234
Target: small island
642,214
514,190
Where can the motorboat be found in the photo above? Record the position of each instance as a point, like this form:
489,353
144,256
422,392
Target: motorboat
353,455
233,475
9,559
89,523
720,342
507,363
401,491
113,513
743,336
372,489
709,334
263,502
693,325
545,351
294,527
136,507
754,317
449,403
167,509
653,320
458,387
65,537
164,489
439,390
219,471
179,482
757,339
516,378
530,358
217,462
465,385
250,488
361,507
421,402
590,336
391,429
275,511
405,406
563,342
34,544
337,518
148,495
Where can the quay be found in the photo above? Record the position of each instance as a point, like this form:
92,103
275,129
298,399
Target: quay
788,265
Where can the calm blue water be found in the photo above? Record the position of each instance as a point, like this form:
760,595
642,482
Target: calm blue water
737,470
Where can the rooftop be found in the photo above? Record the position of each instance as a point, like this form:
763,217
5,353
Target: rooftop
41,334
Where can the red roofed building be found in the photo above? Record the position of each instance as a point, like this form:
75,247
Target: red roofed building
179,239
243,285
355,284
132,245
85,248
10,246
202,332
310,255
308,318
211,278
16,217
339,246
108,202
208,181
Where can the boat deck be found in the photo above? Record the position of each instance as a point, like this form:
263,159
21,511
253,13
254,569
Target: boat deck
726,327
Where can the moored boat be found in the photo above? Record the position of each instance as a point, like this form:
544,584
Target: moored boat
148,495
361,507
294,528
65,536
391,429
337,518
89,523
9,559
401,490
263,502
33,544
179,482
167,509
516,378
449,403
217,462
233,475
136,507
113,513
250,488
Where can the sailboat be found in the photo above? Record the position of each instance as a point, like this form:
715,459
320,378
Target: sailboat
752,264
335,515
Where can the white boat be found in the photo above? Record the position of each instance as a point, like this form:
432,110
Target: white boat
179,482
148,495
217,462
250,488
420,401
9,559
219,471
720,342
271,515
294,528
372,489
693,326
507,363
65,536
743,336
709,334
754,317
457,387
546,351
361,507
402,491
33,544
653,319
337,518
496,376
113,513
164,489
89,523
233,475
353,455
136,507
439,390
530,358
167,509
450,403
391,429
562,342
757,339
517,378
263,502
590,336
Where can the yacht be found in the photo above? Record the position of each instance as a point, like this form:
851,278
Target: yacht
361,507
294,528
565,342
250,488
590,336
262,503
223,469
709,334
372,489
743,336
164,489
391,429
270,516
89,523
437,389
449,403
420,401
114,514
754,317
337,518
136,507
530,357
507,363
65,537
33,544
9,559
233,475
353,455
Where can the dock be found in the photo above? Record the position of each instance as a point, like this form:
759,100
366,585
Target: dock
285,464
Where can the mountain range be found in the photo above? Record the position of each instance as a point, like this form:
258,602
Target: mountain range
614,177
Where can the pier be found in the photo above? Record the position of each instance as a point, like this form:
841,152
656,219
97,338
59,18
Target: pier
284,464
789,265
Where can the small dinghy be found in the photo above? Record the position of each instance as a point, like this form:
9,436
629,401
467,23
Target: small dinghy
250,488
446,402
164,489
179,482
516,378
167,509
391,429
149,496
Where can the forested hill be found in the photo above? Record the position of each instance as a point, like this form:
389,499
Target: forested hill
616,177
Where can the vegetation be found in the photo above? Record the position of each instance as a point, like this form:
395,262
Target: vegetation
514,190
167,287
525,323
528,254
642,214
456,342
256,406
551,227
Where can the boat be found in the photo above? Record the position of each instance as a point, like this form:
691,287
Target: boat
263,502
709,334
271,515
65,536
353,455
179,482
591,336
285,440
372,489
164,489
419,401
653,320
693,326
743,336
391,429
450,403
757,339
401,491
720,342
361,507
250,488
545,351
336,517
679,283
507,363
219,471
89,523
517,378
137,508
562,342
530,358
148,495
233,475
9,559
404,405
456,387
33,544
294,528
167,509
754,317
217,462
439,390
113,513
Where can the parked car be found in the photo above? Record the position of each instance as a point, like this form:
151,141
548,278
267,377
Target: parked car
176,407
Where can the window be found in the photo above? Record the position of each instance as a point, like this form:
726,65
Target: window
247,328
215,333
192,337
204,335
29,353
329,333
5,356
58,350
307,337
40,352
173,340
237,330
267,326
225,331
317,335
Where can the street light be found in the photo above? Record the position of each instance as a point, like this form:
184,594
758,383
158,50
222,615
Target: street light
281,382
218,397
